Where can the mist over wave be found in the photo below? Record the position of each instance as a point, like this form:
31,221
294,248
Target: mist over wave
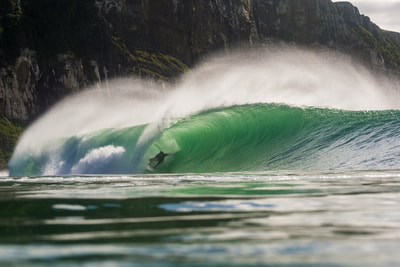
288,76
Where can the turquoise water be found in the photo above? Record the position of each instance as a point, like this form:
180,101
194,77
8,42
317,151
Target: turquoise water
275,218
253,137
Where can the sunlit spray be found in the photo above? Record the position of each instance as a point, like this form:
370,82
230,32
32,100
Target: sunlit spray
286,75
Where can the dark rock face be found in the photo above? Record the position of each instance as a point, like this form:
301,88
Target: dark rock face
49,49
190,29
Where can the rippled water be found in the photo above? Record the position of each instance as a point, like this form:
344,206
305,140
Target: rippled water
268,218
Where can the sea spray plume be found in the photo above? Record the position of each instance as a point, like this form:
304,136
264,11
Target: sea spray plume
291,76
287,75
125,103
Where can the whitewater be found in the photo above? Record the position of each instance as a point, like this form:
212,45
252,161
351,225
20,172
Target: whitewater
278,156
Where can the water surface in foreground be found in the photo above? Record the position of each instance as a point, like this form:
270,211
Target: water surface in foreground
349,218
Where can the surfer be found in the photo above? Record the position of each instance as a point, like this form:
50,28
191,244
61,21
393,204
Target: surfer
157,160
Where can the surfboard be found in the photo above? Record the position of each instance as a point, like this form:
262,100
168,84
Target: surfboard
149,168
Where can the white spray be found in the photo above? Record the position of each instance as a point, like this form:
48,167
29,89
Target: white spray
273,75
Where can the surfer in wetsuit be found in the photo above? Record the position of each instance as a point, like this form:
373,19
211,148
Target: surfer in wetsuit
158,159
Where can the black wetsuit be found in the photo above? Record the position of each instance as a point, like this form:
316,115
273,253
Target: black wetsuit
157,160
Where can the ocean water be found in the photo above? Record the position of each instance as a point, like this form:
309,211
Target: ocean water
342,218
283,157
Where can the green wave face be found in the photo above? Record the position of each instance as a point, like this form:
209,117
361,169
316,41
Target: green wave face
254,137
263,137
232,139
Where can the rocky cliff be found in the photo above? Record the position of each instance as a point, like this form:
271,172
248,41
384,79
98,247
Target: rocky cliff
51,48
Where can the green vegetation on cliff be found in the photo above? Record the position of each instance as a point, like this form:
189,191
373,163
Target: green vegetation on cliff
9,134
384,42
389,45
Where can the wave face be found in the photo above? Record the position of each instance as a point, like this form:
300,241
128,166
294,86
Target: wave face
272,109
253,137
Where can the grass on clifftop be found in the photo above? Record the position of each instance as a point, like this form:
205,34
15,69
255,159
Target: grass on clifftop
9,134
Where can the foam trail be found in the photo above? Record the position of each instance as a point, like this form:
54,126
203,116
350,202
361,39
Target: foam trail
273,75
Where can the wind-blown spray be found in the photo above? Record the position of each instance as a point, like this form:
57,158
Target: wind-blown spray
117,130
